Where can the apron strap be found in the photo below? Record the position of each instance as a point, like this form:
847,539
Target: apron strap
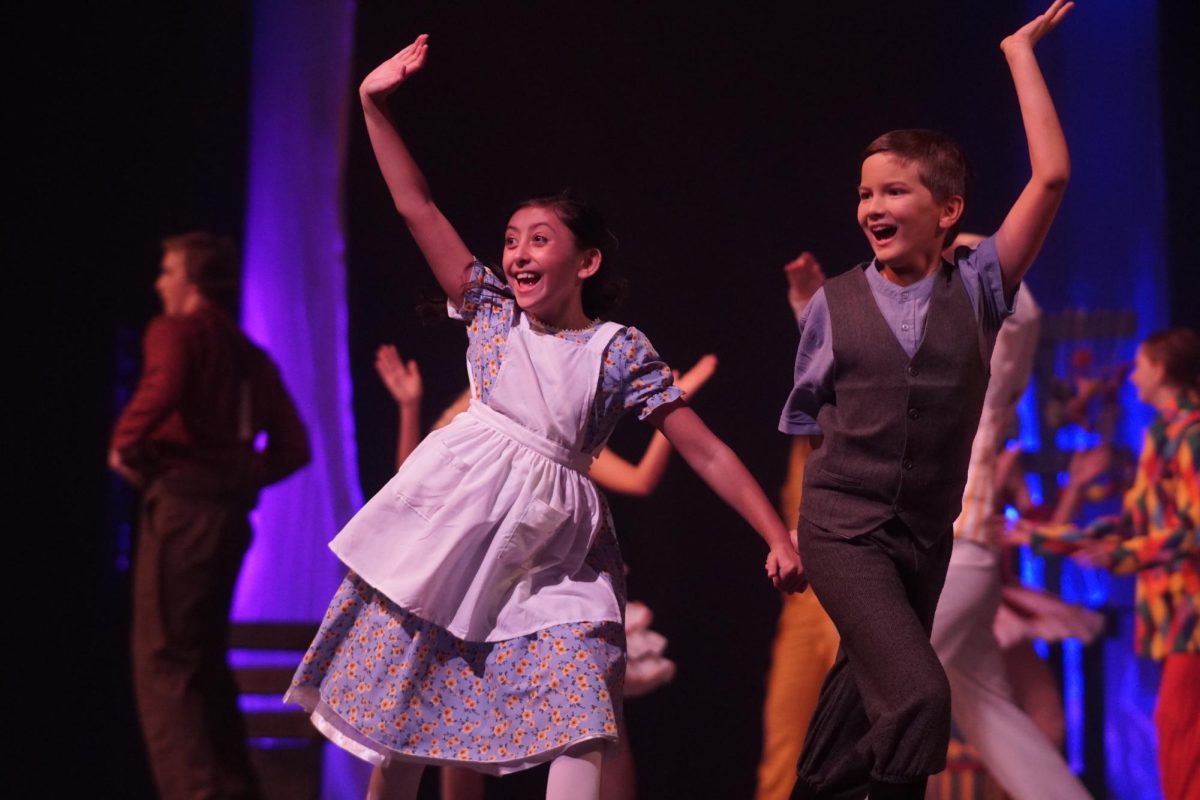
603,335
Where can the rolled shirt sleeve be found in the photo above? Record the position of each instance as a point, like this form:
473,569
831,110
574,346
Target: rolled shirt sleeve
813,372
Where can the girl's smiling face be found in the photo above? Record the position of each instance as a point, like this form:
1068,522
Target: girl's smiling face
546,268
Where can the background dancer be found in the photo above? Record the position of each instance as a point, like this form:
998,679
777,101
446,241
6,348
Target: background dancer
187,440
1021,759
1156,537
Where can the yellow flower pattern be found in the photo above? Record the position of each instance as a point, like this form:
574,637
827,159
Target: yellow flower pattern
440,699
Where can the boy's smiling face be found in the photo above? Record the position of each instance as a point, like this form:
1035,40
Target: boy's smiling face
902,220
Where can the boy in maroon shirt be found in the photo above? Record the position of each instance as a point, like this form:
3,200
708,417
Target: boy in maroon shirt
187,440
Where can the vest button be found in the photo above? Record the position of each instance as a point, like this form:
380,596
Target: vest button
913,371
913,413
908,464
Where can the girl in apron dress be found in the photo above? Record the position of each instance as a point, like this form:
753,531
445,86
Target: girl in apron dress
481,622
646,666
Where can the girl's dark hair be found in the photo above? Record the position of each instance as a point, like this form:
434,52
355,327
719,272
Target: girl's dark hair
602,291
1178,350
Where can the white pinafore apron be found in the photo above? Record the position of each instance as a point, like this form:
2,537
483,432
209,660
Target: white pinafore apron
485,529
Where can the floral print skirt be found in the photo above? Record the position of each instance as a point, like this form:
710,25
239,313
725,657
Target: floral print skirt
385,684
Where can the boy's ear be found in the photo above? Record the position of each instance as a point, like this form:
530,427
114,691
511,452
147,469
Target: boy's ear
952,209
591,263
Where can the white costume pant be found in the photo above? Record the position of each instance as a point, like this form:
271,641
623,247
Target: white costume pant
1022,760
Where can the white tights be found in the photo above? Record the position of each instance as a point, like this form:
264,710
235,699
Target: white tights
574,775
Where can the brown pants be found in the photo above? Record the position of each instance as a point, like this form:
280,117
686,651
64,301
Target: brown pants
190,549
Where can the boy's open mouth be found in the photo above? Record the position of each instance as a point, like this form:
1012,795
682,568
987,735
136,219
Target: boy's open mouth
883,233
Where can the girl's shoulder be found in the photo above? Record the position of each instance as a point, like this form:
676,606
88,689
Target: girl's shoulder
629,339
485,291
629,352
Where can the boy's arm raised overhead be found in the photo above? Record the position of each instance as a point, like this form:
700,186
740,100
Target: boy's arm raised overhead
1025,228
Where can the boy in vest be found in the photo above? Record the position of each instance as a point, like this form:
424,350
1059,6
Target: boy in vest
891,369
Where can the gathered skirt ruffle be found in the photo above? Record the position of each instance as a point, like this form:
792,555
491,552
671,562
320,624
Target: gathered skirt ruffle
385,684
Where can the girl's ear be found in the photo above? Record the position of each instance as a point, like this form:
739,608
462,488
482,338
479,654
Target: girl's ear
591,263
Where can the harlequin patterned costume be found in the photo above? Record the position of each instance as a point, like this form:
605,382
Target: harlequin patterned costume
1155,535
481,623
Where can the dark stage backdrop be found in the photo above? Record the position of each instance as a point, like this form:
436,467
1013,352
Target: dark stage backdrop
130,123
720,142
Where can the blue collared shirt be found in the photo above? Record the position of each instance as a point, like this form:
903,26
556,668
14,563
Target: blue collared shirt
904,309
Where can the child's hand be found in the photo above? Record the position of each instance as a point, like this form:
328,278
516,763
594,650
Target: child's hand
402,380
1088,465
785,570
1021,532
387,77
132,476
691,381
804,277
1031,33
1096,555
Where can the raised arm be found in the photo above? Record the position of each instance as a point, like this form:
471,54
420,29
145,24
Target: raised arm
618,475
804,277
725,473
439,242
403,382
1024,229
615,474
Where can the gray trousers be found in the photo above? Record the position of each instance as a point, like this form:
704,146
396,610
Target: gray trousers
882,720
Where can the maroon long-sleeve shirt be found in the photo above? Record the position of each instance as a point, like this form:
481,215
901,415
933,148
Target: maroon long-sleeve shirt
205,395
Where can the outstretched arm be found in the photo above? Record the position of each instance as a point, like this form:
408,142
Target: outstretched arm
725,473
638,480
403,382
1024,229
439,242
618,475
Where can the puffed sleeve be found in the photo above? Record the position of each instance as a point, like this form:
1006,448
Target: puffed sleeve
484,290
634,371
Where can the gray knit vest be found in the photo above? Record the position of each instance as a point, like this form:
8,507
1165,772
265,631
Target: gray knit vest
898,431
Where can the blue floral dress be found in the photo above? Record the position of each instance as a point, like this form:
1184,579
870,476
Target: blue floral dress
386,684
